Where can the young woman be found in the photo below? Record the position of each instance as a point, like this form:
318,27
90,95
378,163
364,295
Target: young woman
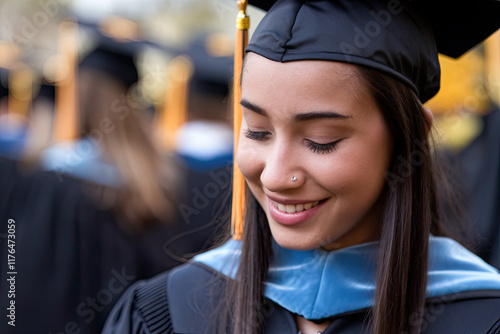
342,225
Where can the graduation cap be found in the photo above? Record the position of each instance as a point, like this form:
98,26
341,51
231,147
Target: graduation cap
397,37
457,26
14,101
117,43
114,60
213,65
203,69
114,56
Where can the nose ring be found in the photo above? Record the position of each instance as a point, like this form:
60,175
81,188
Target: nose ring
294,179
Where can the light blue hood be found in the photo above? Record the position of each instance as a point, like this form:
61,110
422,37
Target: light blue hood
319,284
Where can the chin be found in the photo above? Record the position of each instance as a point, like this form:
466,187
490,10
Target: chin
294,242
298,240
299,246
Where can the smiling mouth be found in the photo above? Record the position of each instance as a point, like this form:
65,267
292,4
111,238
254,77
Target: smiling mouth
291,208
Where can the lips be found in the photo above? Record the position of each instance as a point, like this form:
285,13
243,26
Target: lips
293,214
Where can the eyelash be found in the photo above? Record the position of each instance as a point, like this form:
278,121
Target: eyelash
322,148
315,147
254,135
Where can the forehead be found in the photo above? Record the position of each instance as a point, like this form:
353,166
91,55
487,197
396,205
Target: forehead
319,68
305,83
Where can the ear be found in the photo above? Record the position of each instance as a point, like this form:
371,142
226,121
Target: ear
429,119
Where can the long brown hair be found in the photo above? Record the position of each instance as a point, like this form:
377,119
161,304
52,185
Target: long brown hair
410,209
116,121
410,212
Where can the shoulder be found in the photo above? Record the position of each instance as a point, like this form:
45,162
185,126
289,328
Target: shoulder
194,291
464,312
143,308
175,301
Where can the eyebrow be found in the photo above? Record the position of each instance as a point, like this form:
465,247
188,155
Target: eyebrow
299,117
253,107
319,115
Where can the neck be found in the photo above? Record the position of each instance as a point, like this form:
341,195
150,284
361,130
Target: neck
308,327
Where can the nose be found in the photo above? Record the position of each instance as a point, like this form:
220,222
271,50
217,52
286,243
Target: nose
282,170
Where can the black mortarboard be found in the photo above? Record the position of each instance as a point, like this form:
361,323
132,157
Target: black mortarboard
114,61
112,56
399,38
212,72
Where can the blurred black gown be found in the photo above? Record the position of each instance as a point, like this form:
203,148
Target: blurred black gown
73,261
479,176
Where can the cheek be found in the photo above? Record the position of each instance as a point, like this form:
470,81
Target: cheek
358,169
249,160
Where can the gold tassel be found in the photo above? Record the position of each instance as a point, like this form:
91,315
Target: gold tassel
238,204
174,113
20,91
66,115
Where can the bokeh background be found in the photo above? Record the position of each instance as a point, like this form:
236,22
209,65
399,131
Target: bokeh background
116,148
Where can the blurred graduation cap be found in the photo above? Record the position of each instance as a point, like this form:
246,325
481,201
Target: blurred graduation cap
206,141
15,97
116,60
110,55
117,42
109,47
198,84
399,38
20,90
213,65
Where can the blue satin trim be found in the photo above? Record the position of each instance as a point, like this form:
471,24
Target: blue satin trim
80,159
319,284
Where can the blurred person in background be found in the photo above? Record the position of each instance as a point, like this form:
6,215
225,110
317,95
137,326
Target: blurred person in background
13,124
478,167
102,211
116,124
203,143
467,121
483,179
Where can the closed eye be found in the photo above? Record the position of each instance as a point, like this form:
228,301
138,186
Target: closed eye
322,148
256,135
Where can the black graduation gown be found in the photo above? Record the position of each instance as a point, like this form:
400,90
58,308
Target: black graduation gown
73,260
479,175
180,301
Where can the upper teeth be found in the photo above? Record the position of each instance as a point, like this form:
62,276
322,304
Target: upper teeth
291,208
